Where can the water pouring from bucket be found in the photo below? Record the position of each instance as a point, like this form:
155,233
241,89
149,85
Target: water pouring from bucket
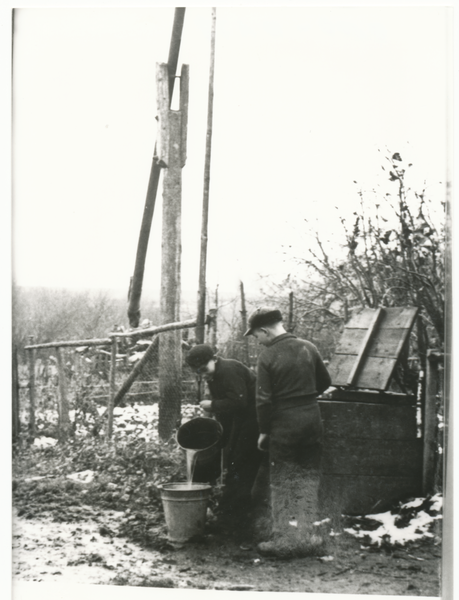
200,438
185,503
191,456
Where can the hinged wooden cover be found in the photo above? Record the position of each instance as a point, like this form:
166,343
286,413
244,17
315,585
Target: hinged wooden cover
370,347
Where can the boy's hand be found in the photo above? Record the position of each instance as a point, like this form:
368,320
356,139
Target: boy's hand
263,442
206,405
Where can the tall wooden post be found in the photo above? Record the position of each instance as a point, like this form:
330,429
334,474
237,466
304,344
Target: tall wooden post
172,152
430,423
63,424
31,360
245,340
200,329
15,396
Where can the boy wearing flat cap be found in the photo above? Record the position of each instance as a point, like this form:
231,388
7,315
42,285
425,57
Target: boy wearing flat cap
232,389
290,376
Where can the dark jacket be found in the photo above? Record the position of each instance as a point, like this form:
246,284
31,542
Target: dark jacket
232,390
289,368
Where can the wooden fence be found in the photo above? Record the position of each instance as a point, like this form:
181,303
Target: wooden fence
114,394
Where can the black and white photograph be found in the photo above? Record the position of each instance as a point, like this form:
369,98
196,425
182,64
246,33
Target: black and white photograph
231,300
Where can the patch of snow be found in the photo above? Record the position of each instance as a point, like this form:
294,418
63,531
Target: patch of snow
44,442
317,523
417,528
135,356
414,503
83,476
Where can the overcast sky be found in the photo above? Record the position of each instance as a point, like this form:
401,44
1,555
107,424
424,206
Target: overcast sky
307,100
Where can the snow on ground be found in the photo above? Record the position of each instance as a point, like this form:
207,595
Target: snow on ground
413,521
44,442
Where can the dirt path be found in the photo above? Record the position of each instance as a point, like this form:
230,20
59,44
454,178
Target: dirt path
89,552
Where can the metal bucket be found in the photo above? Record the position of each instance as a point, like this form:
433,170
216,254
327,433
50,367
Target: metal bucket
203,435
185,508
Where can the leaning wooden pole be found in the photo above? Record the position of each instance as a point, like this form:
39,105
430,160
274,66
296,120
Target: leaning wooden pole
205,204
135,288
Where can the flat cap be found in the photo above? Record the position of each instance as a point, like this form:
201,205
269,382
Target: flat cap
199,356
263,316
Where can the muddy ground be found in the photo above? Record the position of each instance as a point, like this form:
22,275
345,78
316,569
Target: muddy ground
76,543
90,512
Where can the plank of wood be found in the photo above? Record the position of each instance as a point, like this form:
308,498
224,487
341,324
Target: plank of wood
370,397
372,457
361,357
399,317
339,368
388,343
184,95
370,347
368,421
351,341
376,373
361,320
163,103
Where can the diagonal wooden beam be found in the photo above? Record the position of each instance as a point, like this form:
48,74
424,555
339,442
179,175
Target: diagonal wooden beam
135,287
365,344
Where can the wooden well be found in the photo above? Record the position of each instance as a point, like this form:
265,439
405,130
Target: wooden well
373,454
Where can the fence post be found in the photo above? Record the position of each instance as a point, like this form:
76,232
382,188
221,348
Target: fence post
214,338
430,423
290,326
31,360
63,405
15,396
213,328
245,340
111,397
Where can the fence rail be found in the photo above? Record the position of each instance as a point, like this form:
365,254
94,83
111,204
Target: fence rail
79,370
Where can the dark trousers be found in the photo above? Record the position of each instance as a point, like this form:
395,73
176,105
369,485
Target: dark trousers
243,460
286,491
